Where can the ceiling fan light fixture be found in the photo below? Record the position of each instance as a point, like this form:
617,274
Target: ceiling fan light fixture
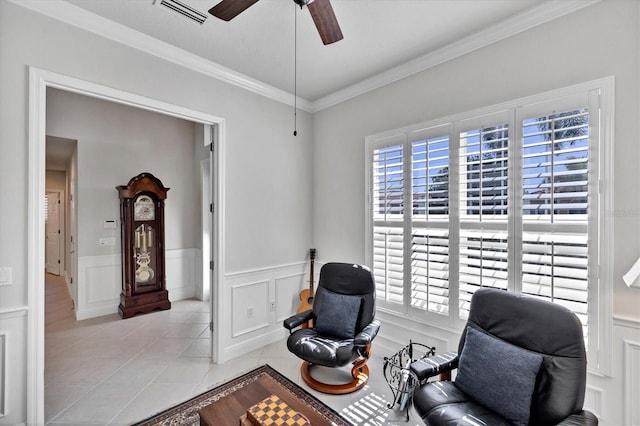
302,3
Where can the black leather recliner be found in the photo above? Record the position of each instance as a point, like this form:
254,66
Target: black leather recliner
520,360
343,326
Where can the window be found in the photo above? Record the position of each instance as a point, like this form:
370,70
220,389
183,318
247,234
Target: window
508,197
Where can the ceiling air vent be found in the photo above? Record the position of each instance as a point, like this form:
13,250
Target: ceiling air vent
183,9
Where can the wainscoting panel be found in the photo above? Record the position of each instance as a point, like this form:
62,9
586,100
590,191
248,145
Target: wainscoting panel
257,301
13,346
105,280
593,400
287,294
183,273
250,307
632,382
100,281
3,374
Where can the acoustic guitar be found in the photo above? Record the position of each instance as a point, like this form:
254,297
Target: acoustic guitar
306,295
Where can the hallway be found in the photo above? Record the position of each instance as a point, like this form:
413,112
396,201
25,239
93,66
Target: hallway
105,369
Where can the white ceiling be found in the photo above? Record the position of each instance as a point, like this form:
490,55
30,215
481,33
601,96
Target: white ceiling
59,152
379,35
384,40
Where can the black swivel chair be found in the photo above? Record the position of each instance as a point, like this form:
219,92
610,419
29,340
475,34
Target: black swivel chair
343,326
520,360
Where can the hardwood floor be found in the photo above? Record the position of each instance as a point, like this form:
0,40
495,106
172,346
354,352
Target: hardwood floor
58,308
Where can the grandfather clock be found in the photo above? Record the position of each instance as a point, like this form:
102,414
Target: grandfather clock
144,287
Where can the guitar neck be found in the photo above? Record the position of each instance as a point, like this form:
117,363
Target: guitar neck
312,257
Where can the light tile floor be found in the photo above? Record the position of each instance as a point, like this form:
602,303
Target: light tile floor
111,371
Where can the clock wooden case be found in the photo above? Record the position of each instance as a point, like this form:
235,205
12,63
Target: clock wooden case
144,287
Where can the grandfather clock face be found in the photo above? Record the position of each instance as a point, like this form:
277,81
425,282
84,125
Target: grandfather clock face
144,208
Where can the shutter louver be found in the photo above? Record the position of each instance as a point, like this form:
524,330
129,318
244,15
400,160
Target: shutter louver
388,264
483,263
430,178
555,267
388,183
555,172
430,270
484,171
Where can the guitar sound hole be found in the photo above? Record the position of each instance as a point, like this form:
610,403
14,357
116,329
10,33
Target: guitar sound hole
310,300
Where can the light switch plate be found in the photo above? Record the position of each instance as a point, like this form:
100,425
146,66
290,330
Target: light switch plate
109,241
110,224
5,276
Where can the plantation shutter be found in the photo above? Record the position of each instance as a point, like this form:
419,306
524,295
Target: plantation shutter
484,192
429,243
388,186
507,197
555,192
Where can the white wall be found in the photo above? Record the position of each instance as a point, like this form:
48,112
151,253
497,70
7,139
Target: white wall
267,174
56,180
595,42
115,143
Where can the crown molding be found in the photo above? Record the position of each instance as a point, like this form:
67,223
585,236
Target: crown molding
78,17
526,20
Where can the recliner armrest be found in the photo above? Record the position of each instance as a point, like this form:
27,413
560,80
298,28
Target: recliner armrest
434,365
297,320
367,334
583,418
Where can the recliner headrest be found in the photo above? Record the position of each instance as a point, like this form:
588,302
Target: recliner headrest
347,278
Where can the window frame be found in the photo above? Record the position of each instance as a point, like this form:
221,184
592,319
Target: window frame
600,92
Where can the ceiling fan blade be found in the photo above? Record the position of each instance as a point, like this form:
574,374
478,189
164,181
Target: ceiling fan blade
325,20
229,9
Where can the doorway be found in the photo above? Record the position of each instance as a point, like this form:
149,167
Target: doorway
39,81
54,232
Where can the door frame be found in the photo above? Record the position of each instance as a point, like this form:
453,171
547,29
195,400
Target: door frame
39,81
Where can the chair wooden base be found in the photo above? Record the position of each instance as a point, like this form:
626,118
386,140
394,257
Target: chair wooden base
359,372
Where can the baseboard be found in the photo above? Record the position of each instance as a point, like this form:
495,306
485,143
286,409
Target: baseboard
249,345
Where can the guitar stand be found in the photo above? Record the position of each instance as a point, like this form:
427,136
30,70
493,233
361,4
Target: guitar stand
400,378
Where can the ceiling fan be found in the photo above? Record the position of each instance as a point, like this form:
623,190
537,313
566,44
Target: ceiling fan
321,13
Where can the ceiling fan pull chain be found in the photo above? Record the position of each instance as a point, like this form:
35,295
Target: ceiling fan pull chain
295,71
